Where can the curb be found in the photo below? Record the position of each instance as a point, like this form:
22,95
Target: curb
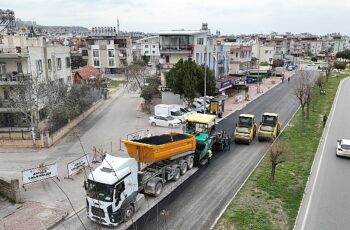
251,172
315,157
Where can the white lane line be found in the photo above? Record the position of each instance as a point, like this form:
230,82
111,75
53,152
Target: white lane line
251,172
322,153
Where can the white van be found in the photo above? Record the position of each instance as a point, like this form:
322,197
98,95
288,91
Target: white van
169,110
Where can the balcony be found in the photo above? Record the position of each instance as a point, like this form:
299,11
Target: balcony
182,49
13,79
17,52
6,106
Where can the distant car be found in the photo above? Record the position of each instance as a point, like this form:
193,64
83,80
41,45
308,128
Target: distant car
164,121
343,148
290,68
149,64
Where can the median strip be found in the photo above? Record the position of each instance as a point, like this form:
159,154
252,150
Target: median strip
260,205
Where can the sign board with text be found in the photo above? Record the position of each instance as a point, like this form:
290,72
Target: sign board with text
39,173
74,167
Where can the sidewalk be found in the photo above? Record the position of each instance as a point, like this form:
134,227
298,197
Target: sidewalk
232,104
32,216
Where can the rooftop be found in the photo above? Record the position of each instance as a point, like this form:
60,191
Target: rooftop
182,32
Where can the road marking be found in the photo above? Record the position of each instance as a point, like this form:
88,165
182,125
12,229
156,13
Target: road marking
251,172
320,162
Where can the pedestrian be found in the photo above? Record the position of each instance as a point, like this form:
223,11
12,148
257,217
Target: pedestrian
282,80
324,120
288,79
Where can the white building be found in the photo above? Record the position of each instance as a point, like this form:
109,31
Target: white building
264,53
150,48
196,45
22,58
240,57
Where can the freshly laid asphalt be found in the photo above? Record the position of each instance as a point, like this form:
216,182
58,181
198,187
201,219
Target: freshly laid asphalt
326,204
198,202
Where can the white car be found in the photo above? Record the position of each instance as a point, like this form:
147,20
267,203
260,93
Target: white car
290,68
165,121
343,148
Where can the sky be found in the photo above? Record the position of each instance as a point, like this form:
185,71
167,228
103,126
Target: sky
227,16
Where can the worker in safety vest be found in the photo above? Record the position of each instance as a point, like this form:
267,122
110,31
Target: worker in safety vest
210,154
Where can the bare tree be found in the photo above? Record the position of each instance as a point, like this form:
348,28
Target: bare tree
277,155
302,91
27,99
136,75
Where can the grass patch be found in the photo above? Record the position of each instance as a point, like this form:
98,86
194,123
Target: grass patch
116,83
259,205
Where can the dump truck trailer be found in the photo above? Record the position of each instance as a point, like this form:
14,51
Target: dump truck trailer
116,189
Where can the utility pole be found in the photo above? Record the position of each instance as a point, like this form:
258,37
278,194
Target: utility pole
258,89
205,70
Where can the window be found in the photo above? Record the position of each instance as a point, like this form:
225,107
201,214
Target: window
49,64
96,62
95,53
167,59
197,57
266,51
59,64
39,66
110,53
146,46
146,52
69,79
154,46
111,62
200,41
2,68
67,62
19,67
236,54
84,53
153,52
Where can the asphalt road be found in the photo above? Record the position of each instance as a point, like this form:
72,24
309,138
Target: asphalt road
198,202
326,204
200,199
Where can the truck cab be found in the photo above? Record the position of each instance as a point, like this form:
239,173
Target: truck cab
245,130
269,127
112,190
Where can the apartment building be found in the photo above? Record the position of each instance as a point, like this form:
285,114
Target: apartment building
150,48
240,57
197,45
263,52
108,51
23,58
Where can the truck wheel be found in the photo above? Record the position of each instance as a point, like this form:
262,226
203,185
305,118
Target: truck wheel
153,124
158,189
183,168
190,163
177,174
128,212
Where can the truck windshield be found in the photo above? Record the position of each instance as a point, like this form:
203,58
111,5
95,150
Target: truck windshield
176,113
99,191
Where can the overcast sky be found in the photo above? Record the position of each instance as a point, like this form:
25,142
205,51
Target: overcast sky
228,16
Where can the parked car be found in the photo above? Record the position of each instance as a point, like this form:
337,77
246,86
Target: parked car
184,110
290,68
169,110
164,121
343,148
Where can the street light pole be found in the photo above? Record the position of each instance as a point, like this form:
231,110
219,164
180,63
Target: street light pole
205,76
258,89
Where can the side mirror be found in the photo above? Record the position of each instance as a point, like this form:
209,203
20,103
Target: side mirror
85,185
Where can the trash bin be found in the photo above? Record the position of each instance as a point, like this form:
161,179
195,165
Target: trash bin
220,115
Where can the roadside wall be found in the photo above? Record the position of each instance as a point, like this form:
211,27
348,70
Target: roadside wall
10,189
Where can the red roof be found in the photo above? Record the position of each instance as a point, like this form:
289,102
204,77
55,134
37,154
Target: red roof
87,72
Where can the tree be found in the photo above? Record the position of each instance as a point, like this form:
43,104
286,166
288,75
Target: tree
264,63
302,91
135,76
278,154
150,90
314,59
277,63
187,79
339,65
